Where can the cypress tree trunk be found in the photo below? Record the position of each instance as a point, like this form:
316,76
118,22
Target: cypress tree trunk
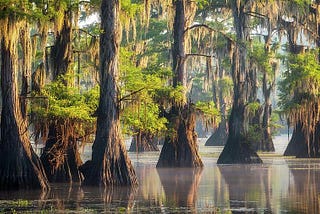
19,165
181,150
302,142
237,148
110,164
61,52
297,145
267,143
61,158
60,141
26,66
143,142
220,136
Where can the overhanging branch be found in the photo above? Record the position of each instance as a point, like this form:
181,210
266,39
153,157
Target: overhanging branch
209,29
132,93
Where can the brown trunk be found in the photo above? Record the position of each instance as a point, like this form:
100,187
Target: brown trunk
26,68
143,142
61,51
181,150
298,146
237,148
267,143
61,158
302,143
19,165
220,136
110,164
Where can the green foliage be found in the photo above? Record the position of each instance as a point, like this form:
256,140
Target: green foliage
253,106
274,123
144,117
261,58
131,8
226,85
65,103
208,109
300,82
140,112
254,134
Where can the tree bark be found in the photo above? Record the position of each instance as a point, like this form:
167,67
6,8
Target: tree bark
237,148
110,164
61,52
19,165
298,145
220,136
181,150
61,158
143,142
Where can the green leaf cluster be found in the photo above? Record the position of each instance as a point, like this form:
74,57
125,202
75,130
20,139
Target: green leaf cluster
301,81
144,117
208,109
66,103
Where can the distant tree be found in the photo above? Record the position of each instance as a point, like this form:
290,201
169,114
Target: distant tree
237,148
299,101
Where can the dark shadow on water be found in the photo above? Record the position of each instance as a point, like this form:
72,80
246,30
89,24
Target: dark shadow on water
180,187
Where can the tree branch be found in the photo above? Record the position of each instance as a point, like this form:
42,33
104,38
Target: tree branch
210,29
198,55
132,93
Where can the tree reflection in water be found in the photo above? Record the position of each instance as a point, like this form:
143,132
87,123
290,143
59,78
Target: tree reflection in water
305,187
180,187
248,186
280,185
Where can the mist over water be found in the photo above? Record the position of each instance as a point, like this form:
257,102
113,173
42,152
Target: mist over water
279,185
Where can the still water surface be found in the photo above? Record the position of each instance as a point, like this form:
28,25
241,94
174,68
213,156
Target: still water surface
280,185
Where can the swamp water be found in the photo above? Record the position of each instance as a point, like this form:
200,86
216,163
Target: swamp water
280,185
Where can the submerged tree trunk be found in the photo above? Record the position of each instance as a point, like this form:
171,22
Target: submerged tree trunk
297,145
110,164
237,148
19,165
144,142
304,139
267,143
181,150
220,136
60,158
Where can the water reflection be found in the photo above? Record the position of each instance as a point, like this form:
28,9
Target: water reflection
180,187
248,186
278,186
305,186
